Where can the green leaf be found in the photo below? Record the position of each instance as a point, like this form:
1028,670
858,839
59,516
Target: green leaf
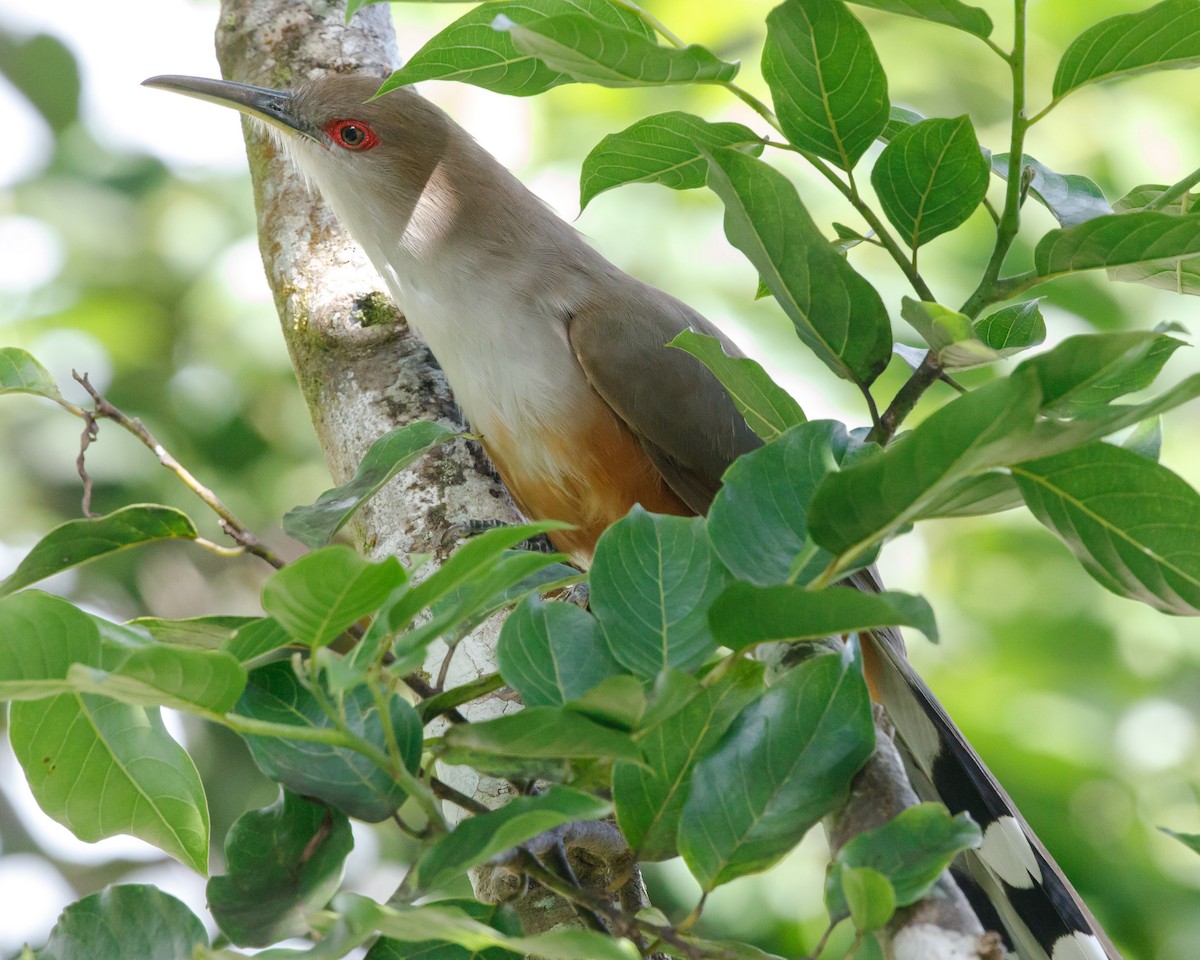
974,496
1190,840
952,13
336,775
20,372
314,525
911,850
160,675
203,633
479,838
899,118
100,768
471,51
868,895
664,148
1131,522
1165,36
745,615
78,541
386,948
1072,198
649,797
1178,276
1117,240
284,862
652,580
768,408
930,178
1013,328
552,652
132,921
949,334
786,762
826,81
264,635
590,51
836,313
1146,439
540,733
318,596
40,638
758,521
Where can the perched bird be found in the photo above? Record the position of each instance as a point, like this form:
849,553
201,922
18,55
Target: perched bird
558,360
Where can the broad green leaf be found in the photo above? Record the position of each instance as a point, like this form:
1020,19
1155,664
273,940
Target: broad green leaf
552,652
826,81
1131,522
160,675
949,334
78,541
1164,36
40,638
899,118
652,580
471,51
758,521
587,50
314,525
541,732
649,798
745,615
768,408
1012,329
1117,240
868,895
204,633
1178,276
336,775
1190,840
930,178
483,836
100,768
1072,198
493,915
318,596
786,762
264,635
1087,372
911,850
130,921
991,492
837,314
283,864
20,372
664,148
952,13
1146,439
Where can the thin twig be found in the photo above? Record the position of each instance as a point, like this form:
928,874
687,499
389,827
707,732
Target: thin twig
91,429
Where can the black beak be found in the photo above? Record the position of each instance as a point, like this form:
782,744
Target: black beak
271,106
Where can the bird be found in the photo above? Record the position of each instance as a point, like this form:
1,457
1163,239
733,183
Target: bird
558,360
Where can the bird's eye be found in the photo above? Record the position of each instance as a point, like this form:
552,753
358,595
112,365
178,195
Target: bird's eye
352,134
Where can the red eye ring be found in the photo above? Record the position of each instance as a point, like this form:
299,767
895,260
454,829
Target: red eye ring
351,134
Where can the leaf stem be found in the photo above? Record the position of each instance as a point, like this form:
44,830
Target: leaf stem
652,21
1175,191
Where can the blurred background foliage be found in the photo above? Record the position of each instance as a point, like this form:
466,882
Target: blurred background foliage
127,250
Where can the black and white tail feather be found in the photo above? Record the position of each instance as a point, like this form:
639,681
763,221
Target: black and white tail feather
1043,917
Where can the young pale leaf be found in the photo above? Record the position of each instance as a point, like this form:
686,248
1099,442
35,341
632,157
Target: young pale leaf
768,408
1131,522
911,850
78,541
318,596
20,372
746,615
949,334
664,148
652,580
1190,840
129,921
552,652
542,732
100,768
336,775
479,838
1013,329
930,178
284,862
590,51
1164,36
649,797
471,51
826,81
1146,439
315,524
952,13
1070,197
836,313
1178,276
758,522
1117,240
40,638
786,762
868,894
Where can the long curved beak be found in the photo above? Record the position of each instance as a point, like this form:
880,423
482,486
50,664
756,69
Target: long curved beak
271,106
